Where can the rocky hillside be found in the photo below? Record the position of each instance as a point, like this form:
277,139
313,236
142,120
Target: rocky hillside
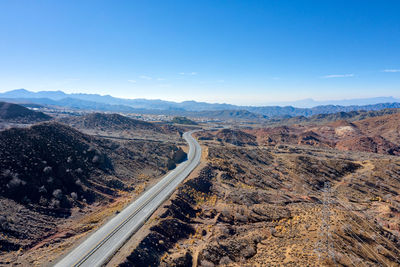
387,126
18,114
235,137
374,144
104,121
331,117
47,163
49,169
234,114
265,206
379,134
119,126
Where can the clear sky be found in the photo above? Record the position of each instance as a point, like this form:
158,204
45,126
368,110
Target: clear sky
242,52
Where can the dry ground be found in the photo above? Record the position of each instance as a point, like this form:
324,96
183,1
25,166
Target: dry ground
33,233
272,206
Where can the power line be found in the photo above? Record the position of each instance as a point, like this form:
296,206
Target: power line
369,225
324,246
346,252
362,243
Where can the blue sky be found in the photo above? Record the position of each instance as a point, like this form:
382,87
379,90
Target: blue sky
241,52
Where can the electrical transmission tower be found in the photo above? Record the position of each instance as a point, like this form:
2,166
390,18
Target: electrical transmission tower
324,246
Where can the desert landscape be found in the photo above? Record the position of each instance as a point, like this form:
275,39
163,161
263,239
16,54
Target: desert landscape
199,133
285,202
58,184
311,194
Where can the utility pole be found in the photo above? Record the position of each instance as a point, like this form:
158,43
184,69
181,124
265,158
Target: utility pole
324,246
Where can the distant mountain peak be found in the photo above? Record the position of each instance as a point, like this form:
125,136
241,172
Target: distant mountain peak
19,90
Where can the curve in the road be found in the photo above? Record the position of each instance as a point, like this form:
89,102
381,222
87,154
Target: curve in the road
103,243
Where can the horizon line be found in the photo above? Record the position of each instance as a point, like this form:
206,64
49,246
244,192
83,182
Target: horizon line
281,103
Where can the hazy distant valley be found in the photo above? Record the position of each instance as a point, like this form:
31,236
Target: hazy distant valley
108,103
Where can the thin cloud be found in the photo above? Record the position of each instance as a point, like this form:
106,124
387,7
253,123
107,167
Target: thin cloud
220,81
188,73
338,76
132,81
144,77
391,70
160,79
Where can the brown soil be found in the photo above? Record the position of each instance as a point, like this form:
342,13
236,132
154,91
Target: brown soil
296,195
235,137
265,206
378,135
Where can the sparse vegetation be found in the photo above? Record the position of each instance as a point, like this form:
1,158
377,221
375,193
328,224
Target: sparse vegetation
257,201
51,171
262,206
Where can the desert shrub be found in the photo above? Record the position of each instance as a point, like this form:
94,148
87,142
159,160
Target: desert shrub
42,190
78,182
4,225
57,194
74,196
47,170
115,183
43,201
6,173
96,159
15,182
54,203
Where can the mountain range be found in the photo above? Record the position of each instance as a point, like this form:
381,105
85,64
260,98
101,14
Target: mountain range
193,108
309,102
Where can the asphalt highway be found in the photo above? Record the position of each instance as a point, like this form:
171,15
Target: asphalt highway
100,246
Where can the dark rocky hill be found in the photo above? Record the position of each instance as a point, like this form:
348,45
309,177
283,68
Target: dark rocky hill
183,120
16,113
48,162
109,121
50,168
104,122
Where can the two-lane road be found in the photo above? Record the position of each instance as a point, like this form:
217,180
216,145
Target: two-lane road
102,244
